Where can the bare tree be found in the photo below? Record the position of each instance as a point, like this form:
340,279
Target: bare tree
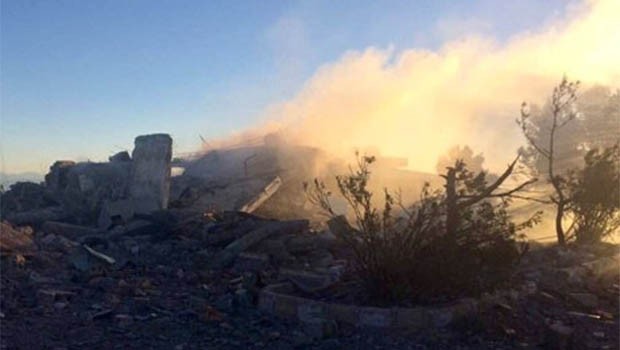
563,111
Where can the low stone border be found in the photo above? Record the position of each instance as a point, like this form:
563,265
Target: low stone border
276,300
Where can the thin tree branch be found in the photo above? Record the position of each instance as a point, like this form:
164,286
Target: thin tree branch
489,190
516,196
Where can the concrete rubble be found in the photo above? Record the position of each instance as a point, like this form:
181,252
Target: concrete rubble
126,252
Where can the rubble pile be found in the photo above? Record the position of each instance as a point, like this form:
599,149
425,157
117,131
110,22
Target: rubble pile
566,298
122,254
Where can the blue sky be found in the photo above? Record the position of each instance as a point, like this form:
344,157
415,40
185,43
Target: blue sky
80,79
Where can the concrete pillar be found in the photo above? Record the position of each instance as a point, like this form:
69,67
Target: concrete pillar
150,172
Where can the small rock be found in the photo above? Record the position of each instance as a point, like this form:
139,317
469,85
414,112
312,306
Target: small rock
321,259
586,299
275,249
123,320
60,305
308,281
81,260
300,339
559,336
122,156
224,302
320,329
299,244
243,298
247,261
102,283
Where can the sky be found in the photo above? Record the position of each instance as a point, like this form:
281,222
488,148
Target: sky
81,79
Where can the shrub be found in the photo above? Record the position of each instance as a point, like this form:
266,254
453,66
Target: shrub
595,195
409,253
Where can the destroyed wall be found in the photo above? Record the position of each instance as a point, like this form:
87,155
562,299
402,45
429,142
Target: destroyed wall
90,193
228,179
82,188
266,178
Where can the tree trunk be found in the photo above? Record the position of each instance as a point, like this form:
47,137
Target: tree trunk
452,212
558,224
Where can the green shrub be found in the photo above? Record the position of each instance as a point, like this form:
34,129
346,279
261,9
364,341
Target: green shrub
595,195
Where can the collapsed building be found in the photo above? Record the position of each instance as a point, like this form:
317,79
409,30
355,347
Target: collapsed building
143,219
266,179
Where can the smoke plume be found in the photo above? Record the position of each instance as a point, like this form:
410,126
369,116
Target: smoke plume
418,103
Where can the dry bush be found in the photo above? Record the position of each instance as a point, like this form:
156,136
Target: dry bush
407,253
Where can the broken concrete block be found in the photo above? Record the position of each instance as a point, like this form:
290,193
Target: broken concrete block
441,317
319,329
56,180
70,231
251,262
308,310
230,253
37,216
120,157
274,249
24,196
375,317
243,298
263,196
88,185
320,258
308,282
123,320
245,194
300,244
150,172
120,211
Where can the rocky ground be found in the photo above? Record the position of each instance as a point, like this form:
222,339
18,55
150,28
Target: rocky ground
160,293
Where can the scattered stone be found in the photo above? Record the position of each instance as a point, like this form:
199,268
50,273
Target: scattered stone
115,212
123,320
225,302
248,261
588,300
308,282
243,298
70,231
275,249
320,329
230,253
37,216
559,336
